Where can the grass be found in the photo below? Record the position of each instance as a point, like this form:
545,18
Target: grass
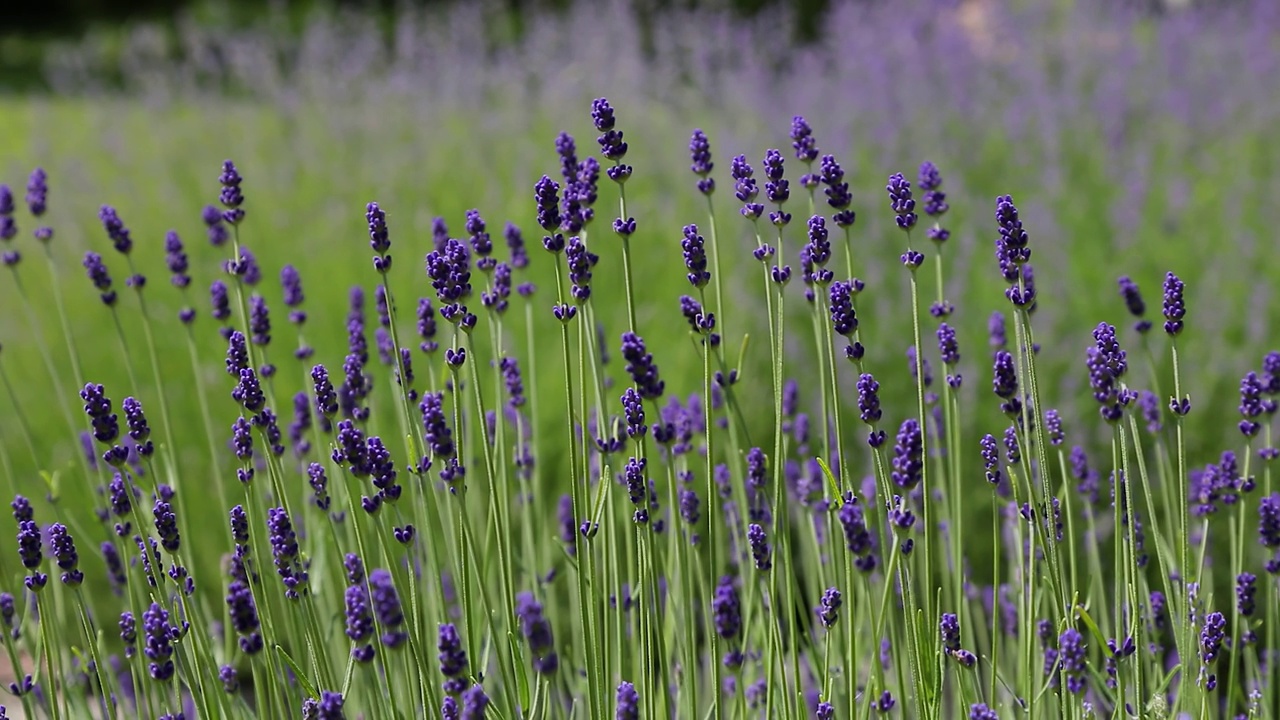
1171,197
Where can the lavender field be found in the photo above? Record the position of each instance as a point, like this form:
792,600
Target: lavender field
372,369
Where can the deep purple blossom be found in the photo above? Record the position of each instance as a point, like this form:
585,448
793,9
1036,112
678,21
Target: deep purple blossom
745,188
1174,308
176,260
37,192
1005,383
244,617
901,202
1012,250
63,548
1071,656
761,551
101,279
160,636
284,552
1251,404
1107,363
726,609
700,154
327,707
628,702
537,632
1133,302
386,607
908,460
379,237
217,232
829,608
359,621
230,196
453,659
837,192
640,365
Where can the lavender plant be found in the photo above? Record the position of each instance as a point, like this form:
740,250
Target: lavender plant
717,525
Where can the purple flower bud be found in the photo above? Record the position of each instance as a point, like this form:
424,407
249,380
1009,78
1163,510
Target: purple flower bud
537,631
829,609
386,605
101,279
230,197
216,231
176,260
37,192
908,462
761,551
901,202
628,706
453,659
1071,657
1174,308
244,617
700,153
159,642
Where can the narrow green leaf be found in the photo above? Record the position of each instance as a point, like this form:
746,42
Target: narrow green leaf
1093,629
837,499
297,671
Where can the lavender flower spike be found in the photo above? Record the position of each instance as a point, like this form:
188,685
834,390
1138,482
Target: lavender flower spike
901,202
700,153
1174,308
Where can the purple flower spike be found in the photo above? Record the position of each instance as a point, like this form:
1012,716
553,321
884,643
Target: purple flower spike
537,631
640,365
101,279
379,237
802,141
160,636
284,551
1011,249
244,617
935,201
829,609
230,197
1212,637
761,551
116,231
217,232
1133,301
610,141
745,188
700,153
628,707
37,192
1251,404
901,202
1071,656
453,659
1107,363
726,609
359,621
1174,308
776,187
980,711
63,548
991,459
908,462
1246,589
1005,383
386,606
695,257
